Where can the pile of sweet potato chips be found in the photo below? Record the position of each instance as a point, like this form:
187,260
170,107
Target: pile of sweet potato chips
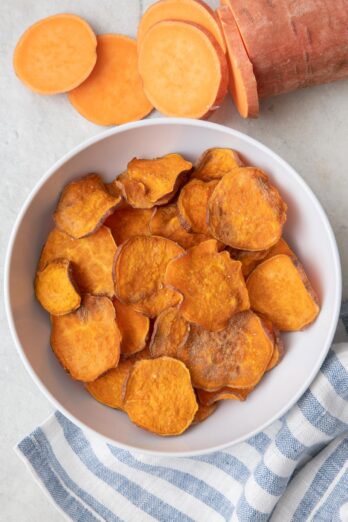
168,287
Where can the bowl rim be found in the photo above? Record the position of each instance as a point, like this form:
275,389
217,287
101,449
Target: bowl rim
169,122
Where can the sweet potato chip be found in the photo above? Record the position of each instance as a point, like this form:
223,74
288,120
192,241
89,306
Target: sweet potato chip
115,191
139,273
280,290
110,387
278,351
92,258
169,334
87,342
150,182
249,259
209,398
128,222
281,247
236,357
55,288
212,285
165,222
246,211
204,411
139,356
159,396
215,163
134,328
192,205
83,206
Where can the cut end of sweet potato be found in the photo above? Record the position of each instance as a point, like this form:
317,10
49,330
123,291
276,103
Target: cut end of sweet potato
215,163
279,289
127,222
209,398
56,54
113,93
87,342
109,388
55,288
134,328
159,396
173,85
193,203
170,333
211,283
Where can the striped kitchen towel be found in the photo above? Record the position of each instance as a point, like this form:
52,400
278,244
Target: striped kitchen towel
295,470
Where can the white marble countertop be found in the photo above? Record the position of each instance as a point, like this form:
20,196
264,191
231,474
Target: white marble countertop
308,128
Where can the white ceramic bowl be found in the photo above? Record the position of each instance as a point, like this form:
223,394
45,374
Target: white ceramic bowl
307,230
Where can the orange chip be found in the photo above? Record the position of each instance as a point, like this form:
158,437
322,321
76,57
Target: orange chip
215,163
139,356
87,342
192,205
139,273
280,290
249,259
281,247
204,411
159,396
209,398
170,333
236,357
278,351
83,206
128,222
150,182
109,389
92,258
246,211
212,285
55,288
115,191
165,222
134,328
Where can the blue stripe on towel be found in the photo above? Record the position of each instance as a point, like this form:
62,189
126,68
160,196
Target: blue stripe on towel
337,497
246,513
336,375
269,481
227,463
260,442
318,416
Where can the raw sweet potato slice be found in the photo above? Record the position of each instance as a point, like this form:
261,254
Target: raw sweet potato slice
236,357
209,398
139,273
280,290
242,83
87,342
83,206
212,285
92,258
204,411
159,396
113,92
55,288
183,68
215,163
170,333
110,387
56,54
134,328
147,183
195,11
165,222
246,211
192,205
128,222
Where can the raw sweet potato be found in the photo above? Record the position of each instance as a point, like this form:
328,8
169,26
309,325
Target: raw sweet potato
211,283
192,205
83,206
128,222
170,332
56,54
195,11
55,288
159,396
113,93
279,289
92,258
147,183
110,387
87,342
133,326
215,163
204,411
183,68
242,81
139,273
209,398
246,211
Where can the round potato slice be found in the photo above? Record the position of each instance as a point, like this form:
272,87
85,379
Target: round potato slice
192,205
55,288
215,163
110,387
84,205
280,290
128,222
204,411
246,211
212,285
87,342
139,273
249,259
170,333
210,398
159,396
134,328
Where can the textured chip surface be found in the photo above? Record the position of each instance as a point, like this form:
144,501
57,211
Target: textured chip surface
126,222
110,387
193,203
204,411
208,398
170,333
134,328
215,163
